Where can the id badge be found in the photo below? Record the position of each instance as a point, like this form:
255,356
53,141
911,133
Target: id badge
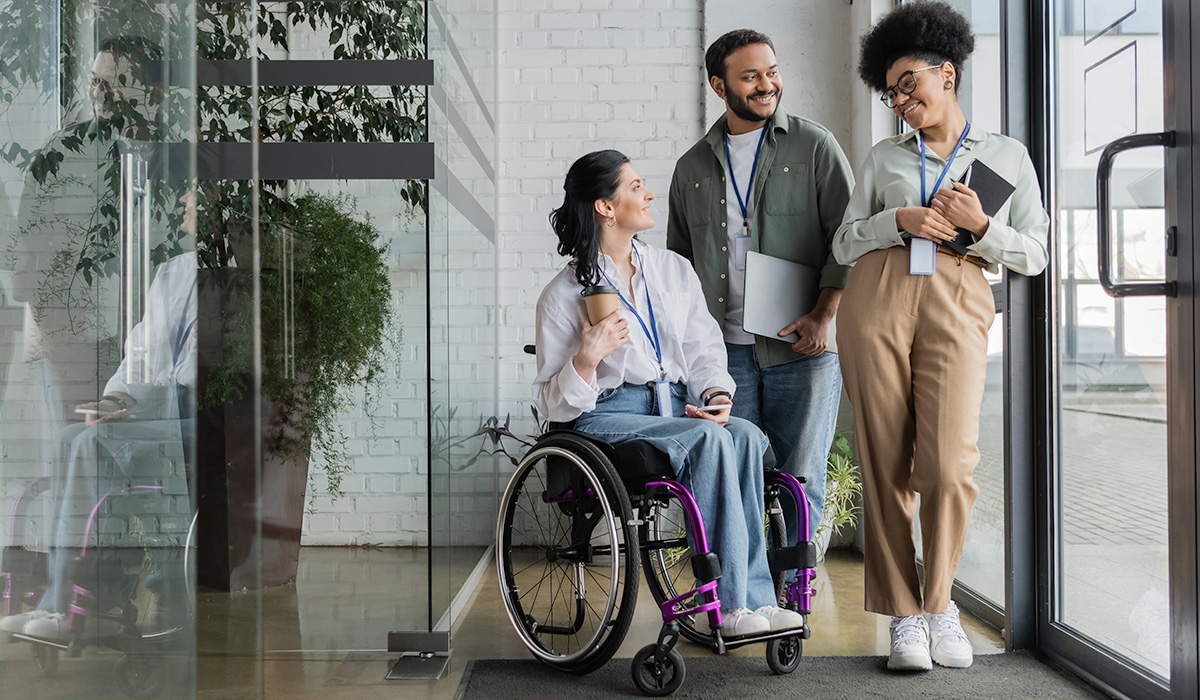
662,392
741,246
922,257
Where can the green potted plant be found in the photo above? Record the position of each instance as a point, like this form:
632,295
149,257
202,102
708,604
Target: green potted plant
316,370
843,489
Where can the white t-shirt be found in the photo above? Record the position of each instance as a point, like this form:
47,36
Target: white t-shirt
742,148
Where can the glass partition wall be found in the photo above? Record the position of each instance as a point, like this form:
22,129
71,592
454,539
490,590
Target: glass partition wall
97,348
291,319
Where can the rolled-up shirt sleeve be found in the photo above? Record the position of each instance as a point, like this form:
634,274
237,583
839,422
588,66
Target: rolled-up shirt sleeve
1020,243
866,225
558,391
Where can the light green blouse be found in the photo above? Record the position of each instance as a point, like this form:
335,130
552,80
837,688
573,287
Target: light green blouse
890,178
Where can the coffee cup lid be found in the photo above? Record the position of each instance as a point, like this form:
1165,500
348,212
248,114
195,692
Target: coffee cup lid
598,289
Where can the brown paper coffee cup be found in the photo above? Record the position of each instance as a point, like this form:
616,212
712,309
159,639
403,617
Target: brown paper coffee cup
601,300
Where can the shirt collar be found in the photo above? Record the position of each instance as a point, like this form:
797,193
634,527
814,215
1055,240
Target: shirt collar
975,135
716,134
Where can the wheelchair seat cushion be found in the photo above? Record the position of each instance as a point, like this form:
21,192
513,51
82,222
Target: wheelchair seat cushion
635,460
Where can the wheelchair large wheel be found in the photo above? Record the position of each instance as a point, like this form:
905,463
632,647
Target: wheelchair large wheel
567,554
667,556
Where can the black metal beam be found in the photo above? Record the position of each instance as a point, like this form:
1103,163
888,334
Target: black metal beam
233,73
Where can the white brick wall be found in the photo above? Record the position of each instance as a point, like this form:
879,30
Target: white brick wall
578,76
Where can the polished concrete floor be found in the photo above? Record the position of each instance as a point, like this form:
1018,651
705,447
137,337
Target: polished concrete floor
324,635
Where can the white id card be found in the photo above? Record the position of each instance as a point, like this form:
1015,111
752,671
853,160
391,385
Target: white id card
662,393
741,246
922,256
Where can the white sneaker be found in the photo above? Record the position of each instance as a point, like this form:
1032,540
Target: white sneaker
52,626
781,619
910,644
16,623
947,641
740,622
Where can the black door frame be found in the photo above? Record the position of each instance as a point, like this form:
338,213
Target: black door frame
1036,583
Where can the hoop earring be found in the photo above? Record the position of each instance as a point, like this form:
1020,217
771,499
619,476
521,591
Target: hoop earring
611,222
948,84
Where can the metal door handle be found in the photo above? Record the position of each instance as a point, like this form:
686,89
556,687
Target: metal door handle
1104,217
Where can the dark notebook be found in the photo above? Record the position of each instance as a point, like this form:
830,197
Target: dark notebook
993,192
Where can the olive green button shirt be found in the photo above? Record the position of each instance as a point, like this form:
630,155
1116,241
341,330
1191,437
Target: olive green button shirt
890,178
799,196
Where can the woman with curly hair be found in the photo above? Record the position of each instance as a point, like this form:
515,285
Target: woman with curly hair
914,319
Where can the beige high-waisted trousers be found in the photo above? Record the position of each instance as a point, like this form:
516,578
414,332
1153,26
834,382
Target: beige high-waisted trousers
914,356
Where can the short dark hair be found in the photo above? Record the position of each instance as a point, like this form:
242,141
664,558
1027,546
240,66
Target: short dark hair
727,43
928,31
145,54
594,176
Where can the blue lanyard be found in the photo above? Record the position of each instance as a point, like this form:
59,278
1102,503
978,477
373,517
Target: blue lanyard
926,201
749,185
653,337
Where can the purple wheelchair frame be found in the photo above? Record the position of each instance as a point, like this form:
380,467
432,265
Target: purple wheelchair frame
20,592
799,592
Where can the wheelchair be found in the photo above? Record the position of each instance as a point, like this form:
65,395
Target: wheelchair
578,518
109,596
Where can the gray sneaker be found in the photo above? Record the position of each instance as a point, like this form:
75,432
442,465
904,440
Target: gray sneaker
948,642
16,623
910,644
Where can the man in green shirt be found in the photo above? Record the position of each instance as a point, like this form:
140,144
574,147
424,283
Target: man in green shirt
766,181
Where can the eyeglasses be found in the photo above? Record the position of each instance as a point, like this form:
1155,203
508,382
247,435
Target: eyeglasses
906,84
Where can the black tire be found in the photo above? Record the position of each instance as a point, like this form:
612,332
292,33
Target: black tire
535,532
783,655
139,676
655,679
45,659
668,571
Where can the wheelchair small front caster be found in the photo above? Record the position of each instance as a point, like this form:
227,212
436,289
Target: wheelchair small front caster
46,660
654,678
783,655
139,676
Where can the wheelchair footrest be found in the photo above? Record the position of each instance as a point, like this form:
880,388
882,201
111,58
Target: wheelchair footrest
799,556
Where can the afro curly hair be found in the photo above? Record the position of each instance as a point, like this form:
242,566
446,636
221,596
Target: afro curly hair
928,31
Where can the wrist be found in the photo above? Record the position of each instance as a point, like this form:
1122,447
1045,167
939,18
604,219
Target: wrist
120,401
709,396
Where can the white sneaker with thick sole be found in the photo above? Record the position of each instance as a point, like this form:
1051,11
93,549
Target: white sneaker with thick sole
910,644
948,643
740,622
781,619
16,623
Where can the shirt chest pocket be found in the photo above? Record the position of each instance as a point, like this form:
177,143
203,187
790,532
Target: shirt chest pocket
673,316
785,192
698,201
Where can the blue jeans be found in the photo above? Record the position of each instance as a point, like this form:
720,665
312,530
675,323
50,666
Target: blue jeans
796,405
721,466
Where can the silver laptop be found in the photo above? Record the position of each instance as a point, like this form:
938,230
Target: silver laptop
779,292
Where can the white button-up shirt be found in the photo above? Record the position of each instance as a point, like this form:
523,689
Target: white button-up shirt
693,350
160,351
891,178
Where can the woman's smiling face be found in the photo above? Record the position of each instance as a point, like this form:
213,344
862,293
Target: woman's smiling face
927,104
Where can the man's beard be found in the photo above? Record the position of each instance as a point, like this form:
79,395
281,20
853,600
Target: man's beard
741,106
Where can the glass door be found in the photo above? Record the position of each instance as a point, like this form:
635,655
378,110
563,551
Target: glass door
1117,408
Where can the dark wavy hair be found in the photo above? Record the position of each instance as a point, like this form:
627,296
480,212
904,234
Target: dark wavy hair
727,43
926,31
594,176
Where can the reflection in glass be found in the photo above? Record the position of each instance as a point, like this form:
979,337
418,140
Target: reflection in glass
1112,425
98,369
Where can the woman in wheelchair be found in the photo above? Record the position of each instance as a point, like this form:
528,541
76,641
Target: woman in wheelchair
654,371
